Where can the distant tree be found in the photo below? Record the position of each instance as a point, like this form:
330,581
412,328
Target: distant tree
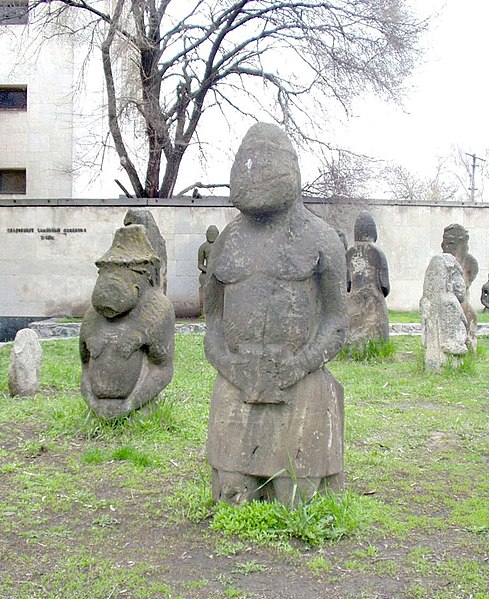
403,184
344,174
167,62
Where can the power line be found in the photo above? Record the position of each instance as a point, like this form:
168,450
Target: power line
472,187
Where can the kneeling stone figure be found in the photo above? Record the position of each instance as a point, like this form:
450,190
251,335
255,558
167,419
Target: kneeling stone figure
127,335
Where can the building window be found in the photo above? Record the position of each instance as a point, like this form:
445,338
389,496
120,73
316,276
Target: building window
13,180
14,12
13,98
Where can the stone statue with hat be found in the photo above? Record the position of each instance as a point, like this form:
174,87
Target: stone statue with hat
127,335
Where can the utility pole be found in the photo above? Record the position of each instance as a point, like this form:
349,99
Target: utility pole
472,187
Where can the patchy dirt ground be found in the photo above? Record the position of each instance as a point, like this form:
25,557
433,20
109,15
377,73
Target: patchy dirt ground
102,530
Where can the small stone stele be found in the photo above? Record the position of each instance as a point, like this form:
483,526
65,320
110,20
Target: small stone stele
25,364
275,313
126,336
367,285
443,322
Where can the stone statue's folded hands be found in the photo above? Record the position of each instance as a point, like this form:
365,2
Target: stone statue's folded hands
290,371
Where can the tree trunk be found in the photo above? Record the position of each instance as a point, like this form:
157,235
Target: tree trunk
171,173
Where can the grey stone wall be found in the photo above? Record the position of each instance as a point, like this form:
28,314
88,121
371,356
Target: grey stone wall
48,248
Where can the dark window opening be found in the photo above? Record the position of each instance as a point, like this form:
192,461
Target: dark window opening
14,12
13,180
13,98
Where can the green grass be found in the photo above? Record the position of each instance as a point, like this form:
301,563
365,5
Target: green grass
413,316
403,316
324,518
368,351
90,507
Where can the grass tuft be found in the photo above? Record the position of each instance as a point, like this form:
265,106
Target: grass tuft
369,351
156,416
325,517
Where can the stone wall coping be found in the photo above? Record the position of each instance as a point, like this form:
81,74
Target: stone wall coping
49,329
219,202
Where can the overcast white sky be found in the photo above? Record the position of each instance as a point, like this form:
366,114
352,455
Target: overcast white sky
448,102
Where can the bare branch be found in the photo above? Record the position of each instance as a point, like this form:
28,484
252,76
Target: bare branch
166,62
198,185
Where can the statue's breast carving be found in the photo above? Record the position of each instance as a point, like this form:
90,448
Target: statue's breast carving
124,342
295,260
95,346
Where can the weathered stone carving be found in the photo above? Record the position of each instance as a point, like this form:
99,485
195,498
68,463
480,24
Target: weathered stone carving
126,337
443,322
203,257
456,242
485,295
141,216
367,284
25,364
342,236
275,311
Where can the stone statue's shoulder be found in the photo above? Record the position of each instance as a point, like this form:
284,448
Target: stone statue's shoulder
317,231
91,321
229,263
322,239
472,263
155,310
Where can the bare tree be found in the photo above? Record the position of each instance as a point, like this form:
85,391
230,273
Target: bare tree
287,60
403,184
345,174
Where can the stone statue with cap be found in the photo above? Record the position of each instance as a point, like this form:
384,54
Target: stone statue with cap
127,335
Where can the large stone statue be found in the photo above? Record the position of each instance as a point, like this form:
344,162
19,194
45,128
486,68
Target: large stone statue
126,336
443,322
275,311
367,284
456,242
485,295
203,257
141,216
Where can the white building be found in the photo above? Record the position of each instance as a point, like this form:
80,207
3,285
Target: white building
36,109
52,116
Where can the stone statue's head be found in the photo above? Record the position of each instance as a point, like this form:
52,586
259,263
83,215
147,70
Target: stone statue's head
140,216
124,272
212,233
265,177
455,240
365,228
485,294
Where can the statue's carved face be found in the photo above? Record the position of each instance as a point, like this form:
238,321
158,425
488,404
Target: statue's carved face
455,243
212,233
265,177
117,290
